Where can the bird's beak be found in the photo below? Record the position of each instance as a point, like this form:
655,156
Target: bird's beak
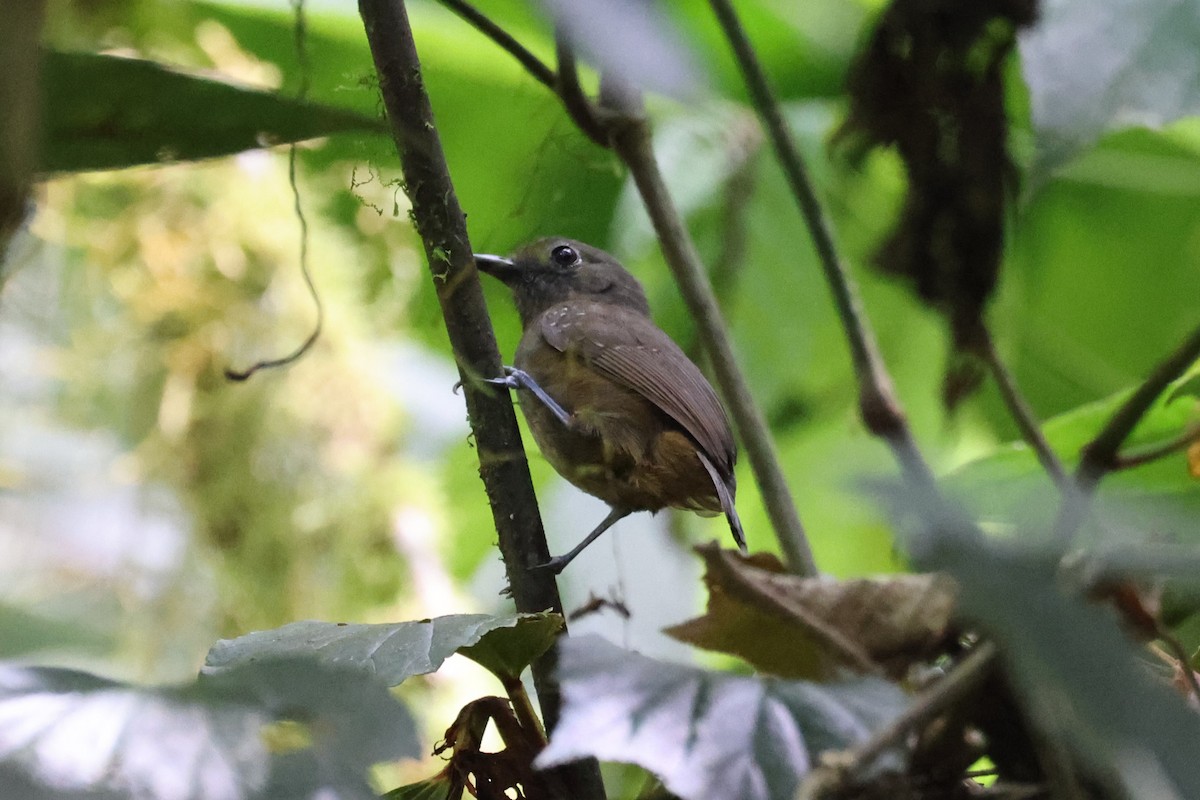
497,266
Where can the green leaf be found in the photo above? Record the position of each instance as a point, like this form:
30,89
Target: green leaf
1078,676
538,175
506,652
85,736
1188,386
23,632
1008,489
707,734
432,789
396,651
105,112
1096,67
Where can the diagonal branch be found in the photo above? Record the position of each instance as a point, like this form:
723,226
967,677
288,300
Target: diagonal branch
442,225
1022,414
488,27
965,678
1100,456
880,409
1141,457
632,142
579,107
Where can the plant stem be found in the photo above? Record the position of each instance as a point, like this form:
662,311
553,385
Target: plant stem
1100,454
523,708
442,225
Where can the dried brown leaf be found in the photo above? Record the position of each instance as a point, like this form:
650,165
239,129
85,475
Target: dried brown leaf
806,627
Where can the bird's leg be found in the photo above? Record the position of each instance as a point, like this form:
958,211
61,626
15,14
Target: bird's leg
520,379
558,563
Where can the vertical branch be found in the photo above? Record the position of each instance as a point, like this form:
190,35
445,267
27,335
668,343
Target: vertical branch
440,221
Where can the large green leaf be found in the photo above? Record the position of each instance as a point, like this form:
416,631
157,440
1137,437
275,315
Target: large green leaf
75,735
1099,66
707,734
105,112
397,651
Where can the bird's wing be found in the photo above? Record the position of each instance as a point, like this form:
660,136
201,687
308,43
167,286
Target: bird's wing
644,359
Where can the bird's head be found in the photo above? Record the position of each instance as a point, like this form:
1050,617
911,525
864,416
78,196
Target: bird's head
556,270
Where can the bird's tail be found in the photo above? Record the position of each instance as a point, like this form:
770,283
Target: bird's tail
726,488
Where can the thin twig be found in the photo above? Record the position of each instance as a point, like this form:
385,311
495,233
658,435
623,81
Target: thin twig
1022,413
1099,457
1177,654
482,23
442,225
304,64
1142,457
880,409
581,109
728,263
238,375
958,683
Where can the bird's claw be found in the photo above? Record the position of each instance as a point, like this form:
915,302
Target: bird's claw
554,566
510,379
507,380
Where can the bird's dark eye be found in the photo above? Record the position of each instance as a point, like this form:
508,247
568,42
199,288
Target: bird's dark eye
564,256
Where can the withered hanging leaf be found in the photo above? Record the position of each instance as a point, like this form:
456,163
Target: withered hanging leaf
793,627
929,82
489,775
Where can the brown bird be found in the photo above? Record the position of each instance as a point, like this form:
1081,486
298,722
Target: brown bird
615,406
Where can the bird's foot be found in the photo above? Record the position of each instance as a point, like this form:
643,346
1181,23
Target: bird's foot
508,379
520,379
